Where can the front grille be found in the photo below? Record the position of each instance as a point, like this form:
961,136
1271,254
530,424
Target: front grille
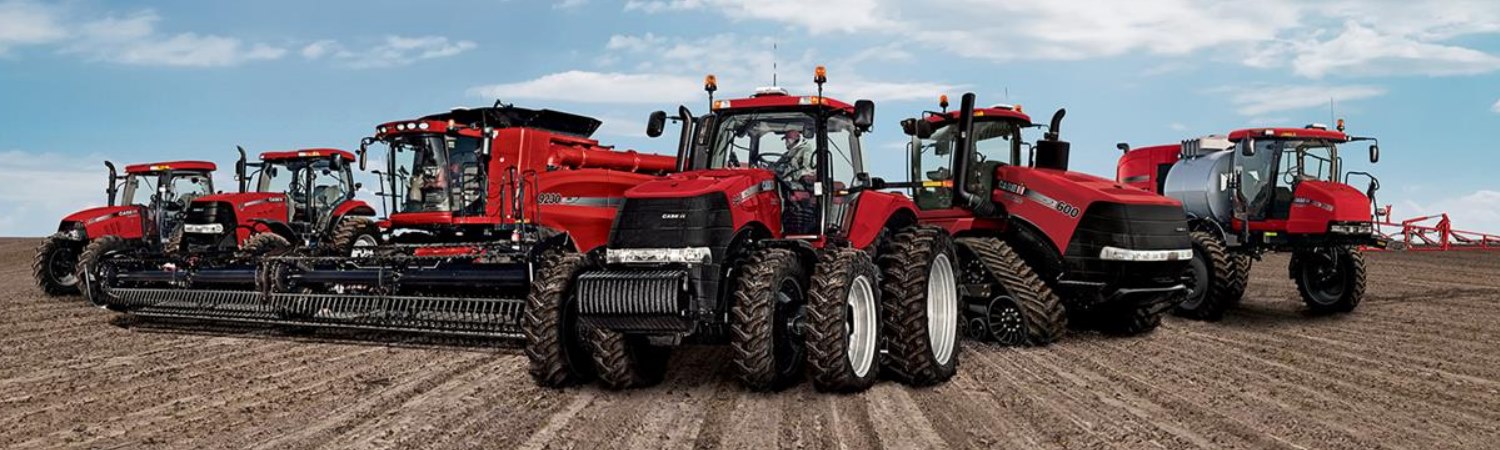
632,292
701,221
204,213
1134,227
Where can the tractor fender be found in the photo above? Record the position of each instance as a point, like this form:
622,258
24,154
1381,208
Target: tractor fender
1036,249
352,207
274,226
874,213
1196,223
552,240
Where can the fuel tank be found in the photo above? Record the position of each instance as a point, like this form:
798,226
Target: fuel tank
1201,183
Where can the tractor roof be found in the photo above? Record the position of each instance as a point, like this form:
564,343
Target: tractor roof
781,100
1300,133
170,165
495,117
306,154
1000,111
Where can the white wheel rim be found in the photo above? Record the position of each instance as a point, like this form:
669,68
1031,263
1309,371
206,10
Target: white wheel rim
861,350
942,309
362,244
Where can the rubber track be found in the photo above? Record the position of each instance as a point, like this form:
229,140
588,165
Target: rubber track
1046,318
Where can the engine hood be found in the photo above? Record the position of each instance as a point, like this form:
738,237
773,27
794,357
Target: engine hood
700,182
242,199
1345,202
96,213
1084,187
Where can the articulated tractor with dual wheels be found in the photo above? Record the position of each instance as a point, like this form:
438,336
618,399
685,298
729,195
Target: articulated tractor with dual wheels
169,188
302,201
772,242
1040,246
1261,190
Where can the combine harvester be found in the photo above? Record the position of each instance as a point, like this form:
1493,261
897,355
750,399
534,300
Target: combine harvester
775,243
303,201
1260,190
166,187
477,197
1028,234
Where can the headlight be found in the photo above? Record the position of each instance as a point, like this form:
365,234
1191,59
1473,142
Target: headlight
210,228
1125,254
691,255
1351,228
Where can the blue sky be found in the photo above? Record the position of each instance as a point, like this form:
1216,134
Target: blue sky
82,81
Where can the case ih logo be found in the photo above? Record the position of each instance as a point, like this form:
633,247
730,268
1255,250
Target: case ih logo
673,216
1010,187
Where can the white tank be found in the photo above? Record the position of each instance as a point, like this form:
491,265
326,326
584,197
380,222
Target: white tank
1201,183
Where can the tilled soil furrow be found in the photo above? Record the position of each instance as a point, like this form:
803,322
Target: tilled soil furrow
1042,404
1347,407
368,406
968,408
898,421
643,416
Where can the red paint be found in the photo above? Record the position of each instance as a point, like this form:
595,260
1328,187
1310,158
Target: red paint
170,165
1294,133
307,154
1141,168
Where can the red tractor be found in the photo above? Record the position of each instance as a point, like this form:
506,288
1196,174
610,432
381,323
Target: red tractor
476,197
165,188
1040,245
302,200
773,242
1260,190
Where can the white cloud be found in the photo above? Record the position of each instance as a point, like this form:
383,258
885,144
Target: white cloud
1360,50
1379,37
597,87
1478,211
70,183
134,40
1495,107
815,16
1262,99
569,4
27,23
394,51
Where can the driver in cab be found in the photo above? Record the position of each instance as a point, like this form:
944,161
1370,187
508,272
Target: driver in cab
797,166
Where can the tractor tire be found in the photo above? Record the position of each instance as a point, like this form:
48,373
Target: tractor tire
1129,320
1330,283
91,280
1211,280
843,318
56,265
767,293
351,235
1043,318
1243,263
557,356
264,244
921,310
623,362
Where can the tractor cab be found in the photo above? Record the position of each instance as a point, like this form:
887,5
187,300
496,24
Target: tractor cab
315,181
168,188
997,142
805,148
1291,180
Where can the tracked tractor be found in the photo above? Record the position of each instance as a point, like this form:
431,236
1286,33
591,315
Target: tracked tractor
302,201
1261,190
476,197
773,243
165,189
1040,245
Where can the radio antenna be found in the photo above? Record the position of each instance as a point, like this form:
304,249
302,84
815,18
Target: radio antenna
773,62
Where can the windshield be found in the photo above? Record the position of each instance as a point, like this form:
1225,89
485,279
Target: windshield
137,182
1303,159
435,173
320,180
786,143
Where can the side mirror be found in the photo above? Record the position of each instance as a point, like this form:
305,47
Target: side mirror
878,183
486,142
1124,147
364,148
1374,153
1247,149
864,114
656,124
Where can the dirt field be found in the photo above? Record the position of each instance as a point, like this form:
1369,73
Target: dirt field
1417,366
